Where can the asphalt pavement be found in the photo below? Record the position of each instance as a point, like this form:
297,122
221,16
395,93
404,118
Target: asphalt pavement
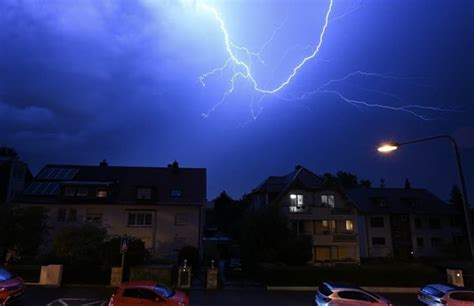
99,296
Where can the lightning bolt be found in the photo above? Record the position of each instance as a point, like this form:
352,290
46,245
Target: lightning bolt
240,58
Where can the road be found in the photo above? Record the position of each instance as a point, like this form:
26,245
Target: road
98,296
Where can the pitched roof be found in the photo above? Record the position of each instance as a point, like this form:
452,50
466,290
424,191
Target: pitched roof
190,182
398,201
300,176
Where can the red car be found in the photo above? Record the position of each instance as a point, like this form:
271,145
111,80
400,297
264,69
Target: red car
146,293
12,287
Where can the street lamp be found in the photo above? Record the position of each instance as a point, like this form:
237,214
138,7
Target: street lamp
392,146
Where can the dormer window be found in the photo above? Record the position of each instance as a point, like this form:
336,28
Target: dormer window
143,193
101,193
70,191
328,200
176,193
82,192
296,202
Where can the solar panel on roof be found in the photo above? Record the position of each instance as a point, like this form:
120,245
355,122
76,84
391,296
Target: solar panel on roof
44,173
55,189
49,188
41,188
71,173
62,173
53,173
31,188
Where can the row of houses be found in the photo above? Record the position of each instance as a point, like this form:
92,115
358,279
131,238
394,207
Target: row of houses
164,206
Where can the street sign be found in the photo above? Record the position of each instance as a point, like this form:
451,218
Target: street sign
124,245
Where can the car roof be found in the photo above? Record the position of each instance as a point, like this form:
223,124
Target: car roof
144,284
443,287
335,285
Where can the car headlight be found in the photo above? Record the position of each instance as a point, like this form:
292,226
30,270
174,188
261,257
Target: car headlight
181,304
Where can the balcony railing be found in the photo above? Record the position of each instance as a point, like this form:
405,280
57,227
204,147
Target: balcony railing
345,238
342,211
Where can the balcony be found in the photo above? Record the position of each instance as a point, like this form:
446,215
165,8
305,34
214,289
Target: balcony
345,238
342,211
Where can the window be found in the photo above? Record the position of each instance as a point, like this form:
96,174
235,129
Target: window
381,202
377,222
296,202
70,191
349,226
143,193
181,219
176,193
101,193
324,227
164,291
435,223
436,242
355,295
139,219
419,242
82,192
61,214
418,223
139,293
465,296
72,215
94,218
378,241
328,200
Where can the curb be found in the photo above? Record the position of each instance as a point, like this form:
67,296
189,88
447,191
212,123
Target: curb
371,289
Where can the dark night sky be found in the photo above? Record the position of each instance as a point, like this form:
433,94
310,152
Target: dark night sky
85,80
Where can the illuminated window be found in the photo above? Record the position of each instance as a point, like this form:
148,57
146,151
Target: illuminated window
296,202
349,225
101,193
328,200
324,227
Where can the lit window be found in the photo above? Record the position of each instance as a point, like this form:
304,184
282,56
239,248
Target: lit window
328,200
101,193
296,202
82,192
349,225
139,219
144,193
70,191
325,227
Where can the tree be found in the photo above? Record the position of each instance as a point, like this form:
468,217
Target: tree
266,237
81,244
22,229
110,255
455,198
346,180
407,184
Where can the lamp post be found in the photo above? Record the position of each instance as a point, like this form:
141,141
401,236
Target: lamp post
392,146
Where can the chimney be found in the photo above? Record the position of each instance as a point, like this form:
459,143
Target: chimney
407,184
382,183
104,163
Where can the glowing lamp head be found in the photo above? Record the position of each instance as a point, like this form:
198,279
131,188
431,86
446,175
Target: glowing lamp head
388,147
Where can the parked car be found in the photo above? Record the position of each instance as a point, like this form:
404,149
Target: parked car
334,294
12,287
147,293
445,294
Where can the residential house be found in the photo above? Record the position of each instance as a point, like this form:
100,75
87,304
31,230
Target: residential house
315,209
404,223
14,175
161,206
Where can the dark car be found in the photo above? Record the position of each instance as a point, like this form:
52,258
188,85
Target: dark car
12,287
445,294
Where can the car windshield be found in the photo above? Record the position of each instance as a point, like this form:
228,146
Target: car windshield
5,275
325,290
164,291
